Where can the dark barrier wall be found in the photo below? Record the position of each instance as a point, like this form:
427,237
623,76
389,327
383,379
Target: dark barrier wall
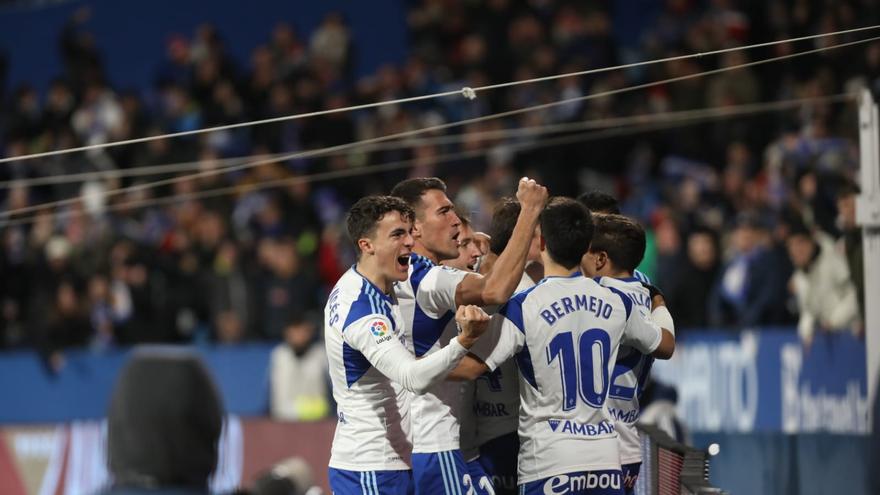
775,463
132,35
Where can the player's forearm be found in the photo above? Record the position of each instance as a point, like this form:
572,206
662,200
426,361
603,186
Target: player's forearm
499,284
469,368
418,375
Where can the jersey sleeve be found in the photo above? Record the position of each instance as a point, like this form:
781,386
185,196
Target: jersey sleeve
640,332
436,290
373,337
504,338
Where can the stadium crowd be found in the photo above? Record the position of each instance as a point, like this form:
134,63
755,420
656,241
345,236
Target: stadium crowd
744,215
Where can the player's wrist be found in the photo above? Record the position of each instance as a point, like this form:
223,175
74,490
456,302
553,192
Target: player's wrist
466,341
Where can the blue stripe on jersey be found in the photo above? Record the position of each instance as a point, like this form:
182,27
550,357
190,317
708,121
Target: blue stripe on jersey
370,301
512,310
426,331
641,277
524,363
356,364
627,302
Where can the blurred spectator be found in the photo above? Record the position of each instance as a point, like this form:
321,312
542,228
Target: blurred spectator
292,476
825,294
748,292
232,266
298,373
852,241
694,279
163,425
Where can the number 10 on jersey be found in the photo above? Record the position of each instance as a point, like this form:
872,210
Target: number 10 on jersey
583,371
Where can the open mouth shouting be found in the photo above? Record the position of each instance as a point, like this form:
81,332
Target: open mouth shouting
403,262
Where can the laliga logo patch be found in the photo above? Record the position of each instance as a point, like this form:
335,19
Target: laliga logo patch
378,328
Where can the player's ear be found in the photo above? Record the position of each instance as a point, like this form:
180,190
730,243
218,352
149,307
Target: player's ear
366,246
416,229
601,259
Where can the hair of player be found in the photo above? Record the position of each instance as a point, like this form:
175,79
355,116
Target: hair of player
411,190
503,221
622,238
364,216
463,216
567,229
599,202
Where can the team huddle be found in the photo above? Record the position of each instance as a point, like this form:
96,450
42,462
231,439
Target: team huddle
466,363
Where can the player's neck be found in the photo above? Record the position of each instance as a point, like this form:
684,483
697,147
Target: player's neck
421,250
374,275
617,274
554,270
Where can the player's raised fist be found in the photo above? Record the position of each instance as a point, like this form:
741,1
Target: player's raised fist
472,321
531,195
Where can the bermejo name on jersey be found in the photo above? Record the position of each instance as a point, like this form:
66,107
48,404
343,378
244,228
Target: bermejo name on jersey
427,304
630,374
372,372
564,334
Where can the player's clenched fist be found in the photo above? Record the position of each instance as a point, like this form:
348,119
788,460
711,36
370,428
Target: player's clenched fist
472,321
531,195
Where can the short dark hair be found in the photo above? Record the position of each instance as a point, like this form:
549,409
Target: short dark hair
463,216
567,229
621,237
365,214
411,190
503,221
599,202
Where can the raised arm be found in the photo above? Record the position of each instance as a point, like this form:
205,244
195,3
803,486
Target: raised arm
498,284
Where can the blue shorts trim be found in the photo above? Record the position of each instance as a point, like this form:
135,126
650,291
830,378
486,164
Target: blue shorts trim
630,474
438,473
607,482
344,482
498,457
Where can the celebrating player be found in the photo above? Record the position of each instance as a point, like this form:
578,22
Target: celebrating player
370,369
565,334
617,248
428,299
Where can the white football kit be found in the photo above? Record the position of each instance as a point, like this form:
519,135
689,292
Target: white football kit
427,306
630,374
372,373
564,334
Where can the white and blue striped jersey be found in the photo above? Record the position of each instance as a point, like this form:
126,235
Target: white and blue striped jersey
372,374
630,374
564,334
641,277
427,304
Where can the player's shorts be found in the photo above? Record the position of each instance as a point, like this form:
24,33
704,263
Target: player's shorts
630,474
439,473
478,479
606,482
344,482
498,457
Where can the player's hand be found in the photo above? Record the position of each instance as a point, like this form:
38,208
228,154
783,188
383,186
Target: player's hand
472,322
531,195
657,298
481,239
